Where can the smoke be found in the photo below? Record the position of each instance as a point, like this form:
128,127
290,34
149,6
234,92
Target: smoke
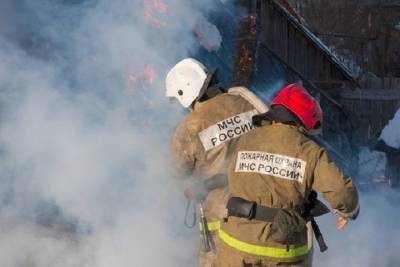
371,163
84,135
208,35
390,134
371,240
84,132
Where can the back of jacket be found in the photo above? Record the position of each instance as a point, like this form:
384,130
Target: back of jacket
277,165
202,141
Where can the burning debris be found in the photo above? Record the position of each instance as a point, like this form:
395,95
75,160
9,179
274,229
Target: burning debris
245,61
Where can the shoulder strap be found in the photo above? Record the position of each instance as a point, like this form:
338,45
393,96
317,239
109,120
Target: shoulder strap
256,102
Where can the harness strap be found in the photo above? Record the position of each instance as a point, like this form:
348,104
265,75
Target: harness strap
243,208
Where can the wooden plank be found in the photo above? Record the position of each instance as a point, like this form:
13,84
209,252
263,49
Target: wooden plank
313,63
291,47
371,94
262,20
284,39
308,62
275,32
279,22
268,24
304,56
330,82
319,65
298,52
283,35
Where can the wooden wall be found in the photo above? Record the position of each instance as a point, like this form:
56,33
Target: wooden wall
308,59
375,104
357,115
288,39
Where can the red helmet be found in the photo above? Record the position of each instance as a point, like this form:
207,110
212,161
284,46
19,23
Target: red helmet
296,98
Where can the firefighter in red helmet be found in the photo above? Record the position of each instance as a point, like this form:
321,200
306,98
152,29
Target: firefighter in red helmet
297,100
270,182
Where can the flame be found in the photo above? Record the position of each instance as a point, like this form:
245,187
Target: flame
153,9
139,83
149,74
160,6
132,78
144,78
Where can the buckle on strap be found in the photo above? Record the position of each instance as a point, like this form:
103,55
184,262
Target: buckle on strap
243,208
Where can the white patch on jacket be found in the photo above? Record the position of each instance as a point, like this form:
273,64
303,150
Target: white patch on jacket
271,164
227,129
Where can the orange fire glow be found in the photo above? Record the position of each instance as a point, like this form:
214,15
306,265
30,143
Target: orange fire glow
138,85
144,78
150,74
153,9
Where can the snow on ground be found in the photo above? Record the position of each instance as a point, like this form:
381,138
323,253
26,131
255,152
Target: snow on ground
397,26
391,133
371,163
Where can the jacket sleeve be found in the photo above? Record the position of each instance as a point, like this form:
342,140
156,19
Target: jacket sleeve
183,150
336,188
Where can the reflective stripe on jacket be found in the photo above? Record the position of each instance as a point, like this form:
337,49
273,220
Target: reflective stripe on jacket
277,166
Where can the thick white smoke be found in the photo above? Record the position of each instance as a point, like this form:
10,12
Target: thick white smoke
84,136
391,132
84,132
372,240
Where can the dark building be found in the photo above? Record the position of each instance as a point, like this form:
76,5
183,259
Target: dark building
265,46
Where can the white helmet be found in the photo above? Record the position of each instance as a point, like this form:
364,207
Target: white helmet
185,81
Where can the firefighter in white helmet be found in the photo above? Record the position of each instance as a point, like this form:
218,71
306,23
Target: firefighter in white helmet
202,142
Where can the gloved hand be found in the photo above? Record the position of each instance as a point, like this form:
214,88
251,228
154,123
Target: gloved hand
341,222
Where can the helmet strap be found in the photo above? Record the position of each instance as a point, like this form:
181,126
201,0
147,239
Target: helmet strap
210,87
281,114
211,92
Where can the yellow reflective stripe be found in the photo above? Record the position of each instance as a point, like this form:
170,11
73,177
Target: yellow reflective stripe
260,250
211,226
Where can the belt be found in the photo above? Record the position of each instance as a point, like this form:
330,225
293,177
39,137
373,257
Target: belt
242,208
255,249
239,207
